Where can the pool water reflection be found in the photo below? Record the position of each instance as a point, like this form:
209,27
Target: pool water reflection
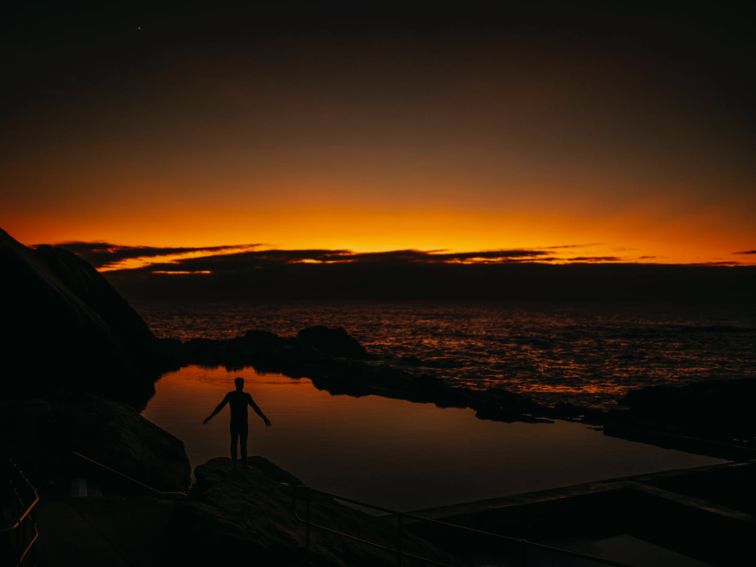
392,452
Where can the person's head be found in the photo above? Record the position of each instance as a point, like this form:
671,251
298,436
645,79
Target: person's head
239,383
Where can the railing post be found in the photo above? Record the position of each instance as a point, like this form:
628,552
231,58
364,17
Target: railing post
399,538
21,537
307,521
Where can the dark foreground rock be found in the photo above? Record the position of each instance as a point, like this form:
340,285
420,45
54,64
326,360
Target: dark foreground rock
715,417
78,363
42,435
67,329
245,512
116,435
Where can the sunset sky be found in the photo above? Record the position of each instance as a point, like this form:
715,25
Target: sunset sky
629,132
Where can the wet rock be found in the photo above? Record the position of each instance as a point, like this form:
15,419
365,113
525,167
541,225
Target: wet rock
715,408
262,341
411,360
332,341
499,404
576,412
565,410
714,418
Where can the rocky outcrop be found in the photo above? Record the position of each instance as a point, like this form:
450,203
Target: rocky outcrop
318,343
332,341
353,372
714,417
246,511
716,408
42,435
116,435
68,330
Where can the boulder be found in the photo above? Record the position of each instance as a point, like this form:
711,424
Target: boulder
68,330
716,409
116,435
332,341
41,435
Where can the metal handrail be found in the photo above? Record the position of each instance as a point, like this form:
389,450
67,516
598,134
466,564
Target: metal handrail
397,550
24,515
29,508
124,476
29,545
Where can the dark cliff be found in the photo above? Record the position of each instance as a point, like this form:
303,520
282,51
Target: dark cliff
66,329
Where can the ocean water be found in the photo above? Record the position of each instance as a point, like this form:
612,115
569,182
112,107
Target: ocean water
410,456
585,353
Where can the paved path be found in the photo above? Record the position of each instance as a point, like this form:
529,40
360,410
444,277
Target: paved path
86,532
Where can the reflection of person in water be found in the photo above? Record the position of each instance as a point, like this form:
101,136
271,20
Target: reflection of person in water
238,401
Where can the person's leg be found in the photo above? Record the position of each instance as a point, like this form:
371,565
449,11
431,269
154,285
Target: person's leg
234,438
243,433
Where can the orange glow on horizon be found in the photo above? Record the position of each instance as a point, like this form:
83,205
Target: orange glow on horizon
662,227
628,235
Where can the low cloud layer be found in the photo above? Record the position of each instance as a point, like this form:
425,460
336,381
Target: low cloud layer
107,255
235,258
239,273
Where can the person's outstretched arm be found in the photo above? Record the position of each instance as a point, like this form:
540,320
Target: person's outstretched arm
216,410
257,410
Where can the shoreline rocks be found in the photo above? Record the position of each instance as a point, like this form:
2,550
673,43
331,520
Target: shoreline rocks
713,417
352,371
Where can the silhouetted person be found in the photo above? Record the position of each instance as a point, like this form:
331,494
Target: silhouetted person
239,400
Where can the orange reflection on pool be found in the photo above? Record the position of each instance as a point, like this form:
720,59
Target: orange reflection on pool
393,452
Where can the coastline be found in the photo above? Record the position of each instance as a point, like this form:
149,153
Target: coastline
48,422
